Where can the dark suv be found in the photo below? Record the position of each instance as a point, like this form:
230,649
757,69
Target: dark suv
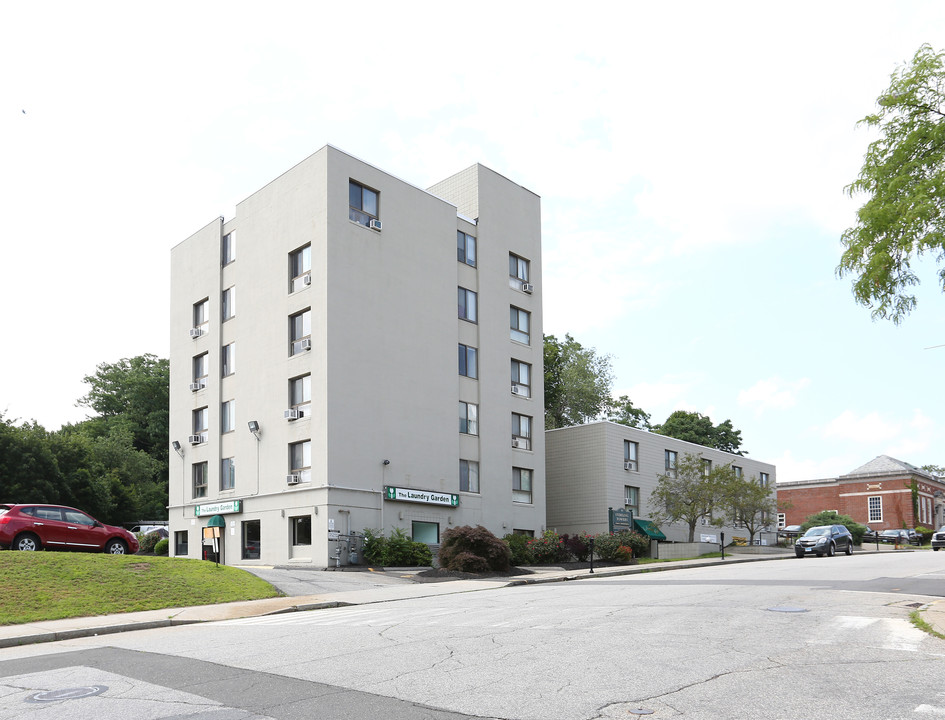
57,527
824,540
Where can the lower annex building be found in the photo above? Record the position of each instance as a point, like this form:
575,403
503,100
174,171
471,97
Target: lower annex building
372,375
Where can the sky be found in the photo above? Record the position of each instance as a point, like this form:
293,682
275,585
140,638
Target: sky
691,159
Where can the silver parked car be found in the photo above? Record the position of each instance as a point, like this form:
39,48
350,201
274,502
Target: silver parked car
938,538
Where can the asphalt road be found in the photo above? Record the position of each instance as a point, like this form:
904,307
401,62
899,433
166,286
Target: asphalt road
812,638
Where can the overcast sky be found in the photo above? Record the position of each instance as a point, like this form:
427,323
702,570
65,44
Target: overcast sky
690,157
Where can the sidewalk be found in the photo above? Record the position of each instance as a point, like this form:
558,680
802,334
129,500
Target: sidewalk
53,630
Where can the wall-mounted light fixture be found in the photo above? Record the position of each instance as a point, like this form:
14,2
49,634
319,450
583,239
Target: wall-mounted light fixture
177,448
254,428
385,462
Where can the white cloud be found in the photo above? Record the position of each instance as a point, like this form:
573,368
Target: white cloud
789,468
772,393
869,429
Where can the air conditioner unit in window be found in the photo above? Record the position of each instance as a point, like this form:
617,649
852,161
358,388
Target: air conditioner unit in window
292,479
195,439
305,344
528,287
516,442
195,333
292,414
375,225
629,465
198,385
307,279
519,390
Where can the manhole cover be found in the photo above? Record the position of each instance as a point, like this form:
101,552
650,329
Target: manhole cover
66,694
787,609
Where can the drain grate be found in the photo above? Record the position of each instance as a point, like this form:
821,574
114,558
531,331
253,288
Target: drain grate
66,694
788,609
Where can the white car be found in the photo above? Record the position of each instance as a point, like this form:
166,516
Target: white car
938,538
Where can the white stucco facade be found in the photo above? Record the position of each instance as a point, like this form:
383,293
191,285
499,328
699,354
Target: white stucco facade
349,316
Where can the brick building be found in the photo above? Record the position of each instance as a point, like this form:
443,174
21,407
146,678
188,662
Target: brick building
877,494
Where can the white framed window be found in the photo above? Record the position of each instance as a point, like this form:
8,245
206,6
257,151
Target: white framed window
468,476
465,248
201,369
300,460
706,467
301,527
227,416
468,361
228,474
199,472
468,418
363,203
519,322
764,479
300,268
201,422
518,269
521,485
425,532
202,316
631,499
300,332
782,520
631,451
300,394
521,432
228,248
228,359
467,305
521,378
252,539
671,462
739,472
180,543
229,303
875,507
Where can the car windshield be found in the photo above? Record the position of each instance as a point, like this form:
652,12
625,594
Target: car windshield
890,532
815,531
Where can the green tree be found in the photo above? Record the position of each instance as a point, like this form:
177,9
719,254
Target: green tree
577,382
28,469
623,411
744,501
903,175
697,428
936,470
832,517
686,495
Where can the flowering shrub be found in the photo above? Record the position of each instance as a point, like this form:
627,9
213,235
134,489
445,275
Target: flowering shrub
549,548
518,546
607,546
624,553
578,545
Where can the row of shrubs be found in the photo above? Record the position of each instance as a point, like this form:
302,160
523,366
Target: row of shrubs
152,542
476,549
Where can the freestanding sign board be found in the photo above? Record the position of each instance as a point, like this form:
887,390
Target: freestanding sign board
620,519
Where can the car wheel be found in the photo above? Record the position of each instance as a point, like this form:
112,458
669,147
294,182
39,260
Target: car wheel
800,555
935,549
27,541
849,548
116,547
831,550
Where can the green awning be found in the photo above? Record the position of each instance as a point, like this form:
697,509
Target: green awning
649,529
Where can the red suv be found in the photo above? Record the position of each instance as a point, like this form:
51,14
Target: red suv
57,527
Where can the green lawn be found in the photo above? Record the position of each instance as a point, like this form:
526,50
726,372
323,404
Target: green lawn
54,585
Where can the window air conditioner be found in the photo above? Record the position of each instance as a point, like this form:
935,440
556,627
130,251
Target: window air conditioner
195,333
629,465
292,479
305,344
307,279
375,225
516,442
195,439
528,287
519,390
291,414
195,386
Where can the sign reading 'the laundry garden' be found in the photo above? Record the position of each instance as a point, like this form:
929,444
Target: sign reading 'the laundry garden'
420,496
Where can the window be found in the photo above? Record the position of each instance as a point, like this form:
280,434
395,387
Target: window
200,479
202,316
228,416
526,533
301,529
706,467
468,362
228,474
300,460
201,370
465,248
300,268
631,499
521,485
300,332
228,249
631,452
782,520
180,542
468,418
201,418
518,269
875,505
764,479
228,359
229,303
519,322
521,431
425,532
466,300
300,394
363,203
521,378
468,476
252,544
671,462
739,472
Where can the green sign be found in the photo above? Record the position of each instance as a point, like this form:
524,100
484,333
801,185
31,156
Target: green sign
220,508
620,520
427,497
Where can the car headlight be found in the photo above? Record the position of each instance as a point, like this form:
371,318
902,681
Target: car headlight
821,541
